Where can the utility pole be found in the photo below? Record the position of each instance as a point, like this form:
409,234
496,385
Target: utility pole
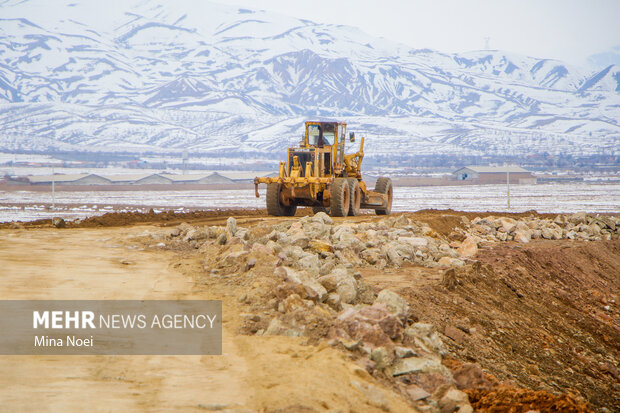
508,184
53,190
185,158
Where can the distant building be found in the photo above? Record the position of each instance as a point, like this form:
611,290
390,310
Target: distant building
246,177
494,174
70,179
153,179
209,178
137,179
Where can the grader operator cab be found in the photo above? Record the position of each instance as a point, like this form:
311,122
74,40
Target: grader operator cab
317,173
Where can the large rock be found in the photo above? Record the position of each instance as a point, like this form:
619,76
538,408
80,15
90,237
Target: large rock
298,239
371,255
391,251
551,231
381,357
397,252
578,218
394,303
340,282
424,336
416,392
197,234
261,249
450,262
319,246
419,365
277,327
468,248
560,220
522,226
508,225
374,325
414,241
594,228
522,236
334,301
374,238
401,221
231,226
309,263
327,265
294,253
314,289
322,217
453,400
317,230
233,258
347,240
59,222
608,221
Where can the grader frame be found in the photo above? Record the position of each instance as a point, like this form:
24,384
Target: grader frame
317,173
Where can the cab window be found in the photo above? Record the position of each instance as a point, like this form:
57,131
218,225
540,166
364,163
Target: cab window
328,138
328,134
313,134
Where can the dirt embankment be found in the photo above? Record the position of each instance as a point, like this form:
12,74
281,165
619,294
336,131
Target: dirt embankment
544,316
442,221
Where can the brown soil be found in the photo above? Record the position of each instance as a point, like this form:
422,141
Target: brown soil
442,221
512,399
165,218
543,315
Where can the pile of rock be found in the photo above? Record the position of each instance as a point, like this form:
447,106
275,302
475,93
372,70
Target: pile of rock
579,226
318,293
375,328
316,245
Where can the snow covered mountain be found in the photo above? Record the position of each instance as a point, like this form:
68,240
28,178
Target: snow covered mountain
150,75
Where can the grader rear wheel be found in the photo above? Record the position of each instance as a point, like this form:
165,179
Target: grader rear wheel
384,186
274,205
355,197
340,198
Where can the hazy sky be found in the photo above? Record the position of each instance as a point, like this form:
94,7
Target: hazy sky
568,30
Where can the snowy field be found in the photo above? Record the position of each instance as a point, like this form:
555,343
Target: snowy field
553,197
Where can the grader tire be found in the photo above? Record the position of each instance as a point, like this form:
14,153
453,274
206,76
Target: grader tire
384,186
355,197
340,198
274,206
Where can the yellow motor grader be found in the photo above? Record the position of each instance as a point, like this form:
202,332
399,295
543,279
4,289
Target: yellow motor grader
317,173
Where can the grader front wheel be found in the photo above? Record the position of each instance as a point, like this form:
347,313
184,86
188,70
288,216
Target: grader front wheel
340,198
356,197
274,204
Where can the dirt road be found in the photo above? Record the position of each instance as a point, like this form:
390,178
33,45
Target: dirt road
254,373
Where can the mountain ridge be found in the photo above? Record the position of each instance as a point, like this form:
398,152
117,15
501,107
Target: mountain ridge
153,76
